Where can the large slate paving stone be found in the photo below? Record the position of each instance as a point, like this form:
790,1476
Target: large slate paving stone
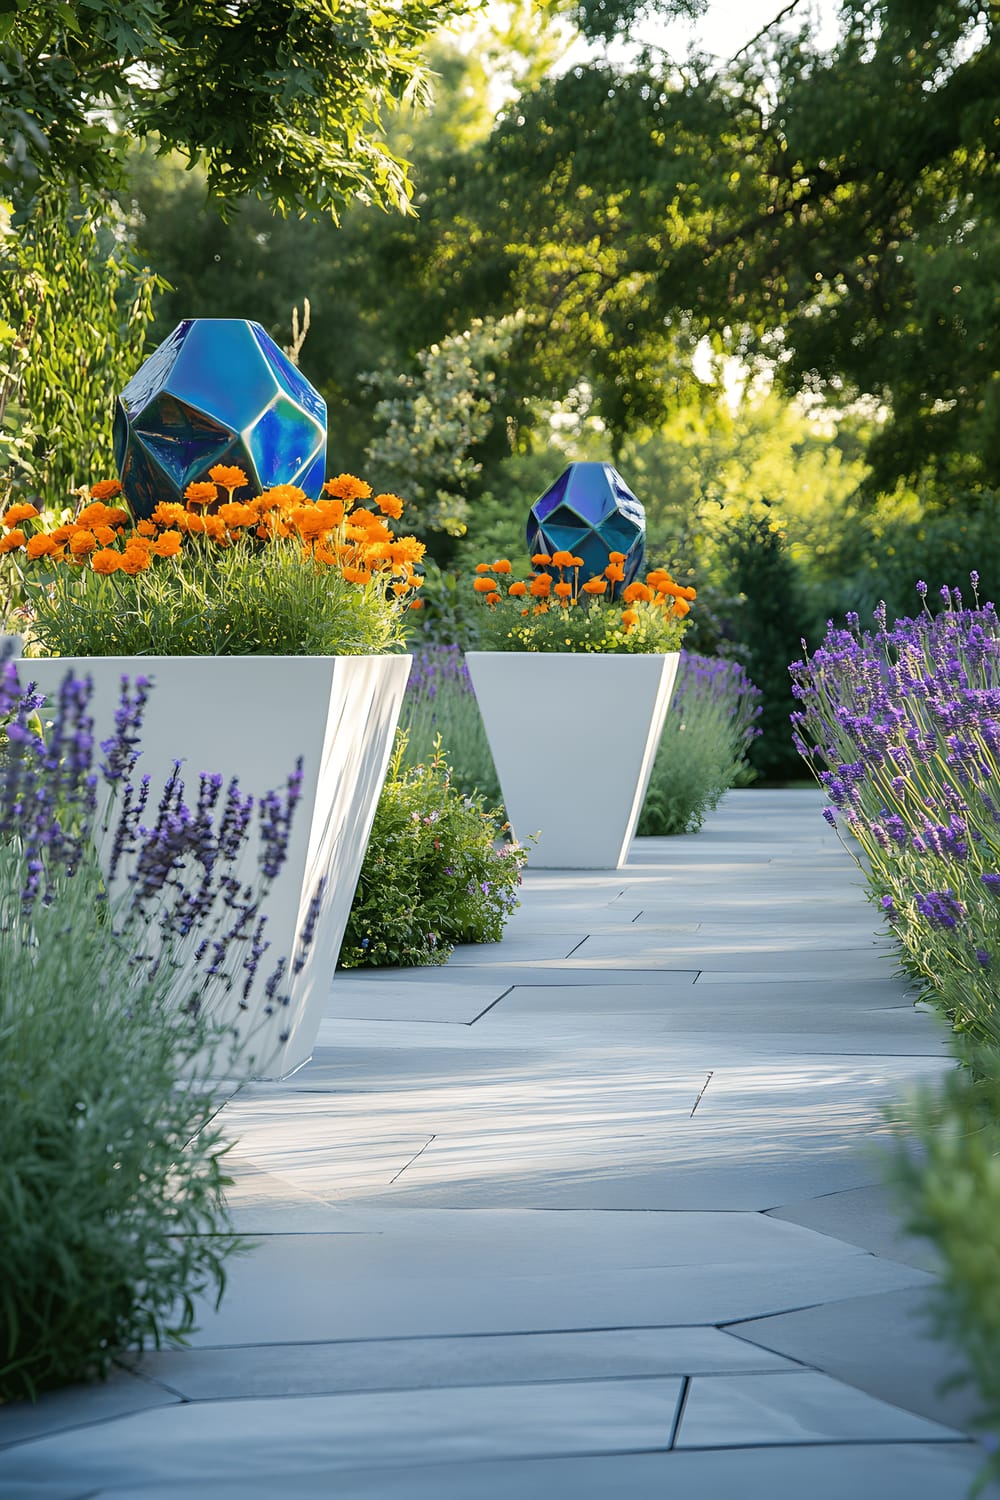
798,1406
868,1217
882,1344
292,1289
404,1364
940,1471
80,1405
228,1440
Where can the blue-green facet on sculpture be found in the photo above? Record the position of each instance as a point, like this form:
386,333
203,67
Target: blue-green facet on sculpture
591,512
217,391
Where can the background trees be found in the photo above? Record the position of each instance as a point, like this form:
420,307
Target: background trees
770,278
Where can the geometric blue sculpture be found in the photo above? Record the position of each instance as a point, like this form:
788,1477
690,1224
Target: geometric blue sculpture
217,391
591,512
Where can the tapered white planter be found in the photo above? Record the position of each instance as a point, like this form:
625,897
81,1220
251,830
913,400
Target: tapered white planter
252,717
573,737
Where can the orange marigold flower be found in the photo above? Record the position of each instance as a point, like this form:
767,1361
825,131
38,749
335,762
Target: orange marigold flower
540,586
81,542
390,505
637,591
105,535
200,493
63,533
484,567
595,586
503,566
105,489
540,560
399,589
356,575
416,604
493,599
681,608
235,514
563,590
332,512
167,544
406,549
307,520
577,562
17,513
134,560
518,590
41,545
689,593
616,557
12,541
629,618
230,476
614,572
484,585
347,487
97,514
280,497
116,516
145,528
168,513
563,559
541,609
106,561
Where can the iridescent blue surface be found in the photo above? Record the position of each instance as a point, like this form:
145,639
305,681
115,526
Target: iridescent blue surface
591,512
218,391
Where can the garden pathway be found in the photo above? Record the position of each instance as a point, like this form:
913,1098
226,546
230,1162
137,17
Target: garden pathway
591,1213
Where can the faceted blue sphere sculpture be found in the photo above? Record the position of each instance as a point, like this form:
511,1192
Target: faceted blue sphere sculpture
217,391
591,512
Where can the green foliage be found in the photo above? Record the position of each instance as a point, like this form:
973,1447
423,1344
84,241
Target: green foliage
947,1171
703,747
432,423
74,318
112,1212
432,876
768,627
285,97
440,704
586,627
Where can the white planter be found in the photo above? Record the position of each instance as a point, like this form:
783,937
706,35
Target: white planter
573,737
252,717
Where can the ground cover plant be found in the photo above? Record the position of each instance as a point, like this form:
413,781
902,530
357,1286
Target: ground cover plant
112,1172
703,748
274,573
901,724
434,874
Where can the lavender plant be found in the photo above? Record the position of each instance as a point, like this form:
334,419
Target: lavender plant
440,702
901,725
112,1211
703,748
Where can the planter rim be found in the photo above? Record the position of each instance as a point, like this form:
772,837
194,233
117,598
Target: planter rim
583,655
259,656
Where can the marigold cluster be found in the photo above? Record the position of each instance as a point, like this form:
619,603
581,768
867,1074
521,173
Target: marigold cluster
338,530
555,583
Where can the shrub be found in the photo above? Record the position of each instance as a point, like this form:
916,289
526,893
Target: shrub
432,876
112,1216
703,747
947,1171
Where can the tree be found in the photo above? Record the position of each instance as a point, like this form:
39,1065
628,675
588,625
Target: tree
278,97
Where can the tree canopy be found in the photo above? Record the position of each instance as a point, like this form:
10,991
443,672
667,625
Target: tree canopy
283,98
